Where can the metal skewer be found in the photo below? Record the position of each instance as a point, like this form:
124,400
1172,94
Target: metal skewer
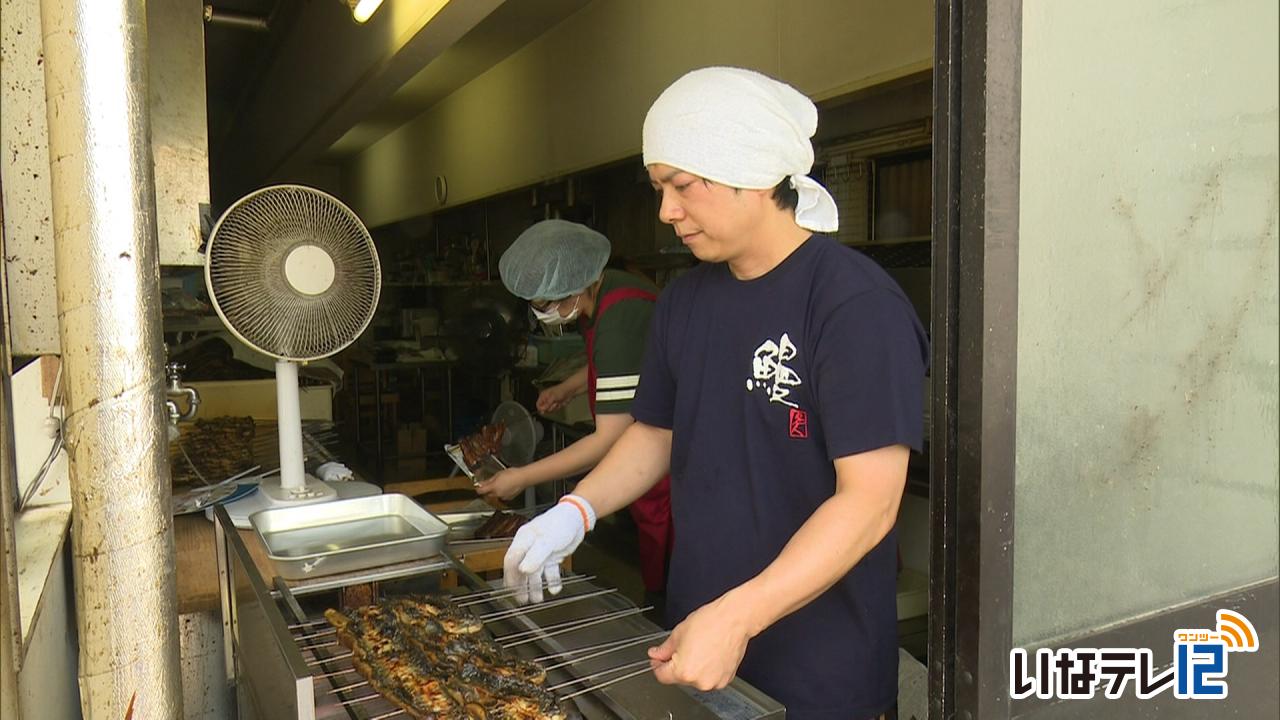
336,673
320,661
347,687
599,619
575,623
357,701
605,684
525,610
619,645
322,633
479,598
597,646
476,598
321,645
241,474
595,675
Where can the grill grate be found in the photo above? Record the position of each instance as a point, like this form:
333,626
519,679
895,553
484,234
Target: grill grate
342,692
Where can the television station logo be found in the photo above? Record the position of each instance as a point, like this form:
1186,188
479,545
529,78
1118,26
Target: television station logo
1198,671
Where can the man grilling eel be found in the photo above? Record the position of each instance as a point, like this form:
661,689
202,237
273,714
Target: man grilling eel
782,388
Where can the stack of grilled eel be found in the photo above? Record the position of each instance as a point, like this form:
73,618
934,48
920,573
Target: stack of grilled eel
501,524
477,447
212,449
435,662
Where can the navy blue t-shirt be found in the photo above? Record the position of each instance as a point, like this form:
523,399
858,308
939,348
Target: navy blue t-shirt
764,383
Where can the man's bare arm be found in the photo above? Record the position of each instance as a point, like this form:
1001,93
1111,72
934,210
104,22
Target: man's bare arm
706,649
636,462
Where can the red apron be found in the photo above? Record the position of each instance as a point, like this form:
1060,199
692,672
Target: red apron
651,511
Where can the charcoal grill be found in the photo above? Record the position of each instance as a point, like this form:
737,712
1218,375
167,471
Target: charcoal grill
284,661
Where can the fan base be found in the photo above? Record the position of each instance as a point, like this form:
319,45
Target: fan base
240,510
270,495
312,491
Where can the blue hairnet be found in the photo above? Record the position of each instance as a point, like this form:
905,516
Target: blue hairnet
553,259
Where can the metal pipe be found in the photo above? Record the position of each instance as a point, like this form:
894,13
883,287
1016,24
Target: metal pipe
108,286
239,21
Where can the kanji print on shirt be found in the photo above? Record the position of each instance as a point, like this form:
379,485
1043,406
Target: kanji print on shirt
770,372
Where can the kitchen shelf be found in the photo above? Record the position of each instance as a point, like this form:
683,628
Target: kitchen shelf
446,283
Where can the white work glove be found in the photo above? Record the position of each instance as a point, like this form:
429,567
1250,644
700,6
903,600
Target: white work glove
540,545
334,472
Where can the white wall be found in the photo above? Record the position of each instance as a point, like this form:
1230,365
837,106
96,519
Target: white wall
24,179
31,409
576,97
1147,327
47,682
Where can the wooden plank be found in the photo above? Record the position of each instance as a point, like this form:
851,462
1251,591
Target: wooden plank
430,485
49,365
257,398
197,562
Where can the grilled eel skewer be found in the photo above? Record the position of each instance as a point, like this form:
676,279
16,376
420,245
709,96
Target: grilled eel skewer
383,656
486,442
438,629
431,660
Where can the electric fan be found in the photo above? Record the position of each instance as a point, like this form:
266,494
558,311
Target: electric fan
521,436
293,273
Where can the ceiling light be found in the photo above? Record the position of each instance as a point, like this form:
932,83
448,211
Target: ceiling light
362,10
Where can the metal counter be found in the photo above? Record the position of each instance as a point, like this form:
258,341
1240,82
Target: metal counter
283,664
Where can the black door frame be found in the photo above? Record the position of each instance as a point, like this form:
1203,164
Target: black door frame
977,115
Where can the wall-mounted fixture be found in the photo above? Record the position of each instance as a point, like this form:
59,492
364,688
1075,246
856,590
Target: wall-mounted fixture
242,21
362,10
442,189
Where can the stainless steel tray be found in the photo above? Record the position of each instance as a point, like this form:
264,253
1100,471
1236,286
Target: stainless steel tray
347,535
464,523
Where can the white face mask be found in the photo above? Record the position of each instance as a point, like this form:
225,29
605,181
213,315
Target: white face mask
553,317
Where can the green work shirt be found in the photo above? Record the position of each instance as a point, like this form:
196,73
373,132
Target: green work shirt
619,344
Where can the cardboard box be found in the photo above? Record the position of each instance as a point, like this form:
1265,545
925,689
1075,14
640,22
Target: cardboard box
411,439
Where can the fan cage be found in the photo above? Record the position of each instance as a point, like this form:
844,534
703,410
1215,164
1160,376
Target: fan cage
522,427
244,273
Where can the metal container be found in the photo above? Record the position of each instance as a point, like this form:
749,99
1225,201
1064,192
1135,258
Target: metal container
283,663
464,523
347,535
490,465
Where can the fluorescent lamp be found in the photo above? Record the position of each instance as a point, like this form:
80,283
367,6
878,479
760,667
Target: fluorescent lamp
362,10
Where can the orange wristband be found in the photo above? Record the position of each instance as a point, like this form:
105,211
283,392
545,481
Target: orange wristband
586,522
